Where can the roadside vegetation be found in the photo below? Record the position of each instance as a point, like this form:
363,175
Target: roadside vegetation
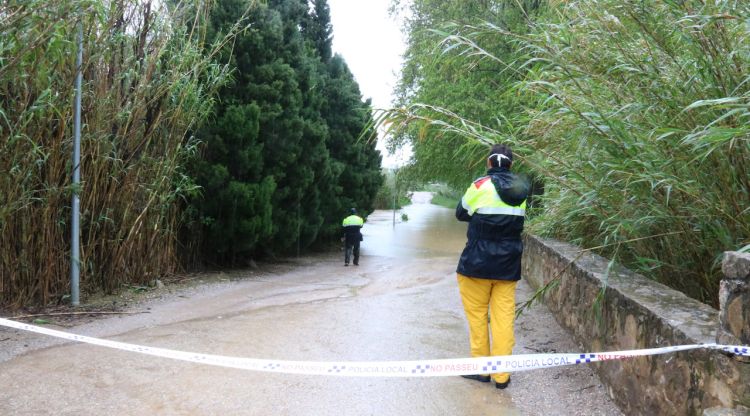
394,192
632,115
281,162
443,195
147,84
212,133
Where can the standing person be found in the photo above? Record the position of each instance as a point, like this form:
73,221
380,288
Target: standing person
352,236
490,265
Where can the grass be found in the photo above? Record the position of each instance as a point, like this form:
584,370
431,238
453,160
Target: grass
445,201
443,195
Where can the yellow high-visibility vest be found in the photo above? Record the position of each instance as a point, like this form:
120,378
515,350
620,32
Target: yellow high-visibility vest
353,220
482,198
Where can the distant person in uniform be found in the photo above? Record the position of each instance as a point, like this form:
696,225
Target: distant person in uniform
490,265
352,236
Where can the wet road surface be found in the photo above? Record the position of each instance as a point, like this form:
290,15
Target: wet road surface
401,303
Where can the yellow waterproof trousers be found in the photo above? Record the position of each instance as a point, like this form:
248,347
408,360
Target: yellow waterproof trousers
499,296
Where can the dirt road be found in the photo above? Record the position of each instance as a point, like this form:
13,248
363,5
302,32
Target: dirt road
401,303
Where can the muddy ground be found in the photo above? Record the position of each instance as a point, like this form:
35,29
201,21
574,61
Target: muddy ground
401,303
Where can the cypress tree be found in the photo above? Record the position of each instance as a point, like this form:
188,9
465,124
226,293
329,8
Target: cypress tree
356,162
281,160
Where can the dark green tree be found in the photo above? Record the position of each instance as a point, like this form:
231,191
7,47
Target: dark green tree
236,207
319,30
254,136
271,168
350,175
356,161
302,164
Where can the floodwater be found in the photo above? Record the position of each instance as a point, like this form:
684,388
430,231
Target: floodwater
428,231
400,303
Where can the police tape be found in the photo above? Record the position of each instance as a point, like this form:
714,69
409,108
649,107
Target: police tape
418,368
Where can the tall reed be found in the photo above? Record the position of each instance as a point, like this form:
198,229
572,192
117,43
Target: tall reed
146,84
638,123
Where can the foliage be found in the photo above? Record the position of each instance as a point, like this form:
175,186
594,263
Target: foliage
146,83
393,191
443,195
437,79
383,198
277,166
355,161
444,201
280,162
635,115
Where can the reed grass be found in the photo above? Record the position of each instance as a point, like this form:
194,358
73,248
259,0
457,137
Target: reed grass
637,120
147,82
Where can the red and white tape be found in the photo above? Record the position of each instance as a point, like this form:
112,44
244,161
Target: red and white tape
416,368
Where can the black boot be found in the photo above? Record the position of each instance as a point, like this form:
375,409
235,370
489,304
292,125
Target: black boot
502,385
477,377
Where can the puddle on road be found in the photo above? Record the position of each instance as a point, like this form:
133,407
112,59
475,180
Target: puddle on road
430,231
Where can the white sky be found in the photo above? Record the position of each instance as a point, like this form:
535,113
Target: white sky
372,44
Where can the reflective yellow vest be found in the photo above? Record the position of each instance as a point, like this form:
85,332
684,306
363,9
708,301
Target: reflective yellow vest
482,198
353,220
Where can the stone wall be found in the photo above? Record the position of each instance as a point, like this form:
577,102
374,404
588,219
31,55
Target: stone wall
734,299
623,310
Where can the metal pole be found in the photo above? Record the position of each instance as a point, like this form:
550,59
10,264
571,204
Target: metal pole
395,195
299,225
75,257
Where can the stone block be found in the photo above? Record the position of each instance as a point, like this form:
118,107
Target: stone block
736,265
734,299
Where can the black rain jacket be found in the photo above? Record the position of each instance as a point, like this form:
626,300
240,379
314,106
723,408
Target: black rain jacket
352,234
494,246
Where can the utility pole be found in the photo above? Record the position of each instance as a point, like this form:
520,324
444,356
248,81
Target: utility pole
299,225
395,196
75,255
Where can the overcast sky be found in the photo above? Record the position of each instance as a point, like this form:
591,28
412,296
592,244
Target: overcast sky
371,43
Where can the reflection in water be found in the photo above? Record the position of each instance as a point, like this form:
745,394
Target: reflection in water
431,231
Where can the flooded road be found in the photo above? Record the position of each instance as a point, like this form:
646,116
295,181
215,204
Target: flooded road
400,303
430,231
